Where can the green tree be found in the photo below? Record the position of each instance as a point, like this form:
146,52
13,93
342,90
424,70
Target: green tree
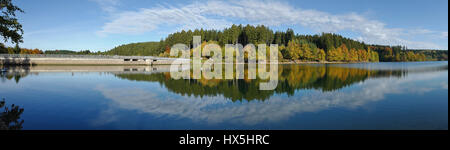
10,28
321,55
17,49
293,49
289,36
3,49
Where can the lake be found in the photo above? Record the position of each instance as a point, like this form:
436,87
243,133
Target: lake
410,95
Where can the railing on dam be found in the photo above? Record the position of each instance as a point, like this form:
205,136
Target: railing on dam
81,56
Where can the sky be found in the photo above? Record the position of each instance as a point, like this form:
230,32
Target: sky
100,25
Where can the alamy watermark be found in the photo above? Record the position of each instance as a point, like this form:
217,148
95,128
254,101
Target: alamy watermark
234,61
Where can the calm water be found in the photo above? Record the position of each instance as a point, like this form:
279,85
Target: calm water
340,96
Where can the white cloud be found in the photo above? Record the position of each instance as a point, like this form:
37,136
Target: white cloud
145,20
444,34
271,13
107,5
420,31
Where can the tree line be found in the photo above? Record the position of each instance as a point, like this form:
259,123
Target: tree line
70,52
292,47
136,49
401,53
18,50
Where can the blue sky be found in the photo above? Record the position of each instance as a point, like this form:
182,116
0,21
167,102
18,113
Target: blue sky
104,24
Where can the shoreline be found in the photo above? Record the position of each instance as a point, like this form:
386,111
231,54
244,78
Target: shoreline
279,63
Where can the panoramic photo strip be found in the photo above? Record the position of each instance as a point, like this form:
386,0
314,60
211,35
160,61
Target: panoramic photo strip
223,73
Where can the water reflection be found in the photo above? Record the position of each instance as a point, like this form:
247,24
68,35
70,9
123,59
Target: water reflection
214,109
291,78
306,89
301,89
18,72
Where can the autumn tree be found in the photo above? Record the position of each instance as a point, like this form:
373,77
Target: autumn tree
319,47
293,49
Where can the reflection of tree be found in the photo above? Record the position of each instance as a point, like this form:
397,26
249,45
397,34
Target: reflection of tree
15,73
10,117
291,78
15,77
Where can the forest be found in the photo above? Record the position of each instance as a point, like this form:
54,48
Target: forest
324,47
320,47
18,50
136,49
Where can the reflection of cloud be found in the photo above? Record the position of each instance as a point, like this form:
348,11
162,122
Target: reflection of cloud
218,110
106,116
444,85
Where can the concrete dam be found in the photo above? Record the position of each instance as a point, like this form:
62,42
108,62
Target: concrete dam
45,59
115,69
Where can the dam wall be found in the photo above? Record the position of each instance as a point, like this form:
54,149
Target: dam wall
127,69
17,59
